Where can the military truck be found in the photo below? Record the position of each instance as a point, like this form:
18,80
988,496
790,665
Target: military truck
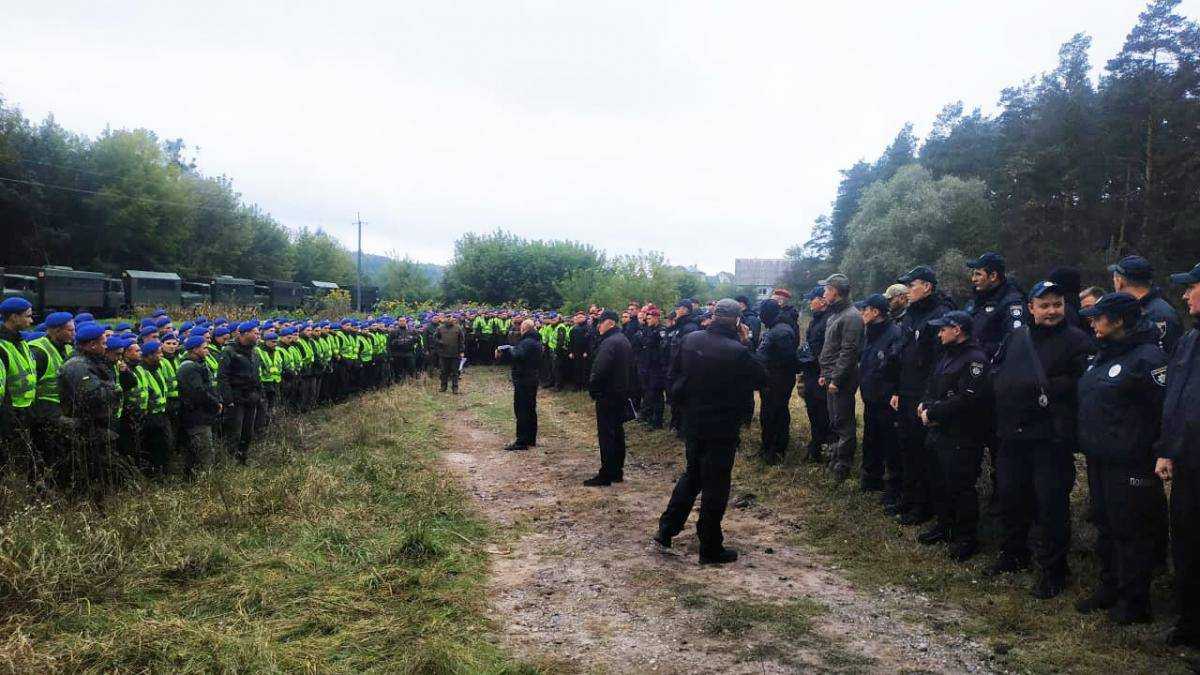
152,289
194,293
284,294
227,290
68,289
114,298
19,285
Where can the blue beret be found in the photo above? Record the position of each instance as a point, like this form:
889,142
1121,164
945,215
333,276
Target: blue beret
146,321
124,325
31,335
159,312
58,319
88,332
115,342
198,331
147,331
151,346
162,321
168,336
15,306
186,326
193,342
221,330
270,336
84,316
247,326
288,331
40,327
201,319
220,322
268,324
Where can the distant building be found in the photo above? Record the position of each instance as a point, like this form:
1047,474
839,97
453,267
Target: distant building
757,277
724,278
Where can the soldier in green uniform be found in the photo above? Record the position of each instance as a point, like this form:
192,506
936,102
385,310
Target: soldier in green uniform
199,404
89,398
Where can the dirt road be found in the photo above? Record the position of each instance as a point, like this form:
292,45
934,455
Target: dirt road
578,586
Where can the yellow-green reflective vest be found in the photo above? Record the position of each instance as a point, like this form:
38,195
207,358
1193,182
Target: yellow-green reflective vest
167,377
20,379
47,384
154,395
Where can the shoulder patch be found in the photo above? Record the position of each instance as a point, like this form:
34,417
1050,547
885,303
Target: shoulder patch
1162,329
1159,375
976,368
1016,311
989,308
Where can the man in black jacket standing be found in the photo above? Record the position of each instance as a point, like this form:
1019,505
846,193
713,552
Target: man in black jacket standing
777,351
715,374
1034,375
816,403
1135,275
240,388
880,449
199,404
526,358
609,387
1179,463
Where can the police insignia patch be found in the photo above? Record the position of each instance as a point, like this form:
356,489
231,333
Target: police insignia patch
879,355
1115,370
1016,324
1162,329
976,369
1016,311
1043,400
1160,376
989,309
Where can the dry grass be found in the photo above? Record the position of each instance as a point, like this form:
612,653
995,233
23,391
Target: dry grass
342,547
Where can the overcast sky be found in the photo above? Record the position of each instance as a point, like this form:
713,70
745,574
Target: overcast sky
706,130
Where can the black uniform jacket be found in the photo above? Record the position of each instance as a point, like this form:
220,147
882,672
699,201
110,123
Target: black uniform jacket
527,359
1180,439
908,367
1121,397
1034,377
714,377
198,398
995,314
956,397
777,350
609,380
879,340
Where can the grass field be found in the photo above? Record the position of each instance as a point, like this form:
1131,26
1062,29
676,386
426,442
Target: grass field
342,548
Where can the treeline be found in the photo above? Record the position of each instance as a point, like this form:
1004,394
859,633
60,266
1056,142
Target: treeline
502,268
1066,172
130,200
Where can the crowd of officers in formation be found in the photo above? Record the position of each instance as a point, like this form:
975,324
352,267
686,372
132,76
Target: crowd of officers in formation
1025,379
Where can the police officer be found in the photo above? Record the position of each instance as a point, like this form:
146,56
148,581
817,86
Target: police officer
651,350
1135,275
157,435
199,404
998,305
526,357
49,352
777,351
838,361
897,299
241,389
609,387
1179,462
20,381
1120,415
908,371
88,397
952,409
1034,378
685,323
816,402
880,450
716,373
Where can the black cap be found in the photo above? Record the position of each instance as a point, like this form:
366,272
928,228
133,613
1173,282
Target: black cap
953,318
1134,268
922,272
990,261
1119,305
875,300
609,315
1187,278
1043,287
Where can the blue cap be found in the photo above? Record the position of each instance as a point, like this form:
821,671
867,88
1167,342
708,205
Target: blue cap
287,331
15,306
115,342
159,312
1043,287
31,335
186,326
220,321
815,292
147,331
162,321
270,336
168,336
193,342
1187,278
197,331
88,332
1134,268
146,321
57,319
954,318
84,316
221,330
990,261
124,325
1118,305
151,347
247,326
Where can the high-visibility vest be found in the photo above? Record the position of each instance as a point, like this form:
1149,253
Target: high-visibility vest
349,346
213,365
270,365
482,325
366,350
291,358
167,373
47,384
154,396
20,378
307,351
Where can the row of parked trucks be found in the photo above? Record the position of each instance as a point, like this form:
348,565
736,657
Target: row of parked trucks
54,288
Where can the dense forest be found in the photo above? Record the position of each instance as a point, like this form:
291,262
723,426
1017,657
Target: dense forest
1066,171
130,200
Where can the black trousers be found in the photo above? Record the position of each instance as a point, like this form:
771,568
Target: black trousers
525,411
1034,479
816,405
959,463
776,417
881,448
1185,545
449,371
652,407
240,419
1130,503
610,433
580,371
919,461
158,442
707,475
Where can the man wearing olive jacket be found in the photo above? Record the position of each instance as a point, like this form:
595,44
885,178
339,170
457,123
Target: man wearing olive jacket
839,371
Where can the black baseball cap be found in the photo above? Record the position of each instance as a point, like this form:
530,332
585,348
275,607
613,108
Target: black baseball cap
1187,278
954,318
1113,304
1133,267
922,272
609,315
990,261
875,300
1043,287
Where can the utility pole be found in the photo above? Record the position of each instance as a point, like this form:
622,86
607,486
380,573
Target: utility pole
358,299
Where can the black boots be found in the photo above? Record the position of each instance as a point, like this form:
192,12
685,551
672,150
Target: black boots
724,556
